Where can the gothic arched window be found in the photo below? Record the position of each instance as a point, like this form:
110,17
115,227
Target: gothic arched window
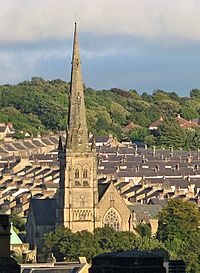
112,219
85,174
85,177
77,177
77,173
82,200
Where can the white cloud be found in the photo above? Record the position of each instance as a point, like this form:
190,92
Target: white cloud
32,20
17,66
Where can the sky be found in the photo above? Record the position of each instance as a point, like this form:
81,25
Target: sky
130,44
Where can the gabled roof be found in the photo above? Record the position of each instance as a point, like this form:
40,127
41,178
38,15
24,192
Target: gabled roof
190,124
10,147
19,146
130,127
44,211
29,144
102,188
47,141
184,123
156,201
181,120
38,143
156,123
2,151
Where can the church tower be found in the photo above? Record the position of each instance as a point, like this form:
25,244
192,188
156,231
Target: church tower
78,191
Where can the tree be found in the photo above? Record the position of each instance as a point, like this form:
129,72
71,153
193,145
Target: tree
178,228
177,220
192,139
144,230
195,93
61,243
171,134
139,134
150,140
111,240
65,244
87,245
17,222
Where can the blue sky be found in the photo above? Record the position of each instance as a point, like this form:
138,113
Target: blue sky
130,44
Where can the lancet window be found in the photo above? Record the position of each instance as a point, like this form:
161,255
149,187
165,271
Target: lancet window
77,177
85,177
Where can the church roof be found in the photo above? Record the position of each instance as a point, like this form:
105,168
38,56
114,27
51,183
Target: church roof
102,188
44,211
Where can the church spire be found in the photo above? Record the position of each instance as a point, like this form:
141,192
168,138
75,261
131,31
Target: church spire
77,140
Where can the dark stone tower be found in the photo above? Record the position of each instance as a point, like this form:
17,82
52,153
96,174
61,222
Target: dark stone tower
78,193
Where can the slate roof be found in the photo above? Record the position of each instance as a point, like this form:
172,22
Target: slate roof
121,185
29,145
38,143
47,141
32,170
9,147
156,201
3,129
102,139
133,189
54,139
102,188
19,146
140,209
44,211
2,151
179,183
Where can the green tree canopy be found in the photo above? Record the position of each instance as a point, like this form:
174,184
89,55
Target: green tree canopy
177,220
171,134
40,106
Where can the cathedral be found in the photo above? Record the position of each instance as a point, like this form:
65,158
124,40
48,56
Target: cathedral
81,202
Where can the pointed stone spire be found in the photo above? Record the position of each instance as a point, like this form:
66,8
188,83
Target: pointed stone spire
77,140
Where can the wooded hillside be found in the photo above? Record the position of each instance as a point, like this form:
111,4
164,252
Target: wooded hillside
39,106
